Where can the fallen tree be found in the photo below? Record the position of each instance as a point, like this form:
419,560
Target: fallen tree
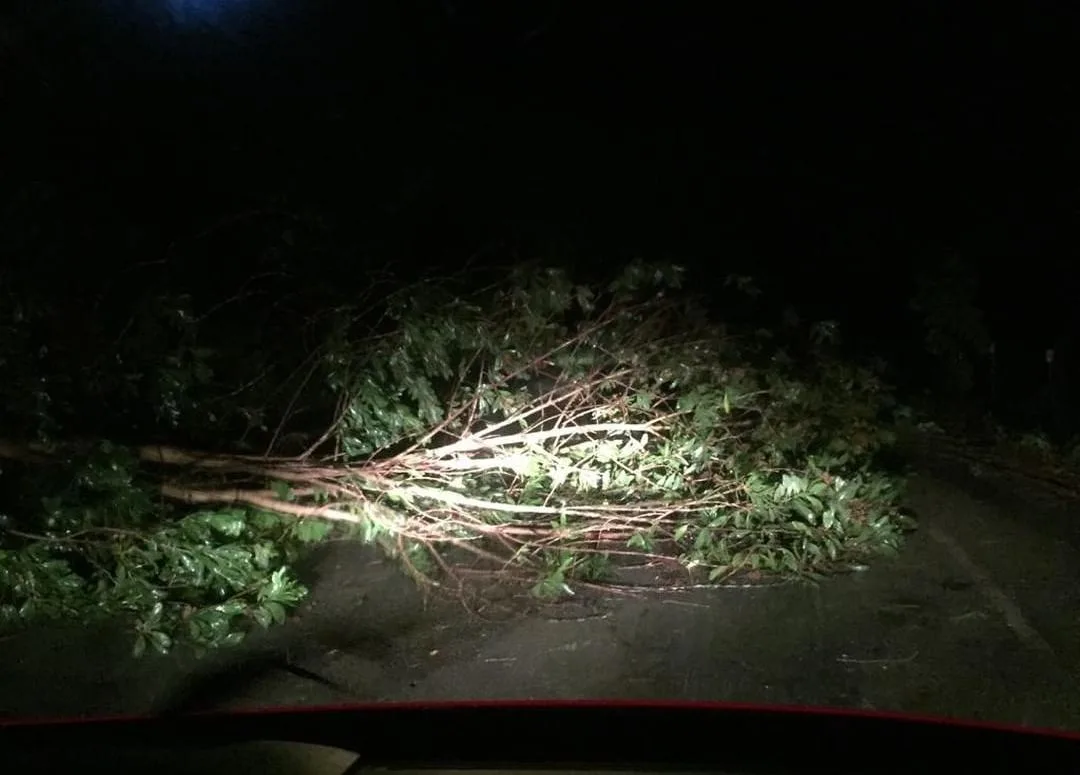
540,429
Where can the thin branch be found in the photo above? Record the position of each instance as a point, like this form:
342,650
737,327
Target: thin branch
483,440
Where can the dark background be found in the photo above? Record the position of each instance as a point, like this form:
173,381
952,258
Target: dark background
832,153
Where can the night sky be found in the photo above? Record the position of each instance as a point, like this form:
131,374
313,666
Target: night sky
829,154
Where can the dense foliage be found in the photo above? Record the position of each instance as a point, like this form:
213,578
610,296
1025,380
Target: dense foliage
528,423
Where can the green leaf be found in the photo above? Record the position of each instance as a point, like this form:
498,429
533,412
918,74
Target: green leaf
282,491
263,617
801,527
276,610
312,530
804,510
230,523
161,642
264,554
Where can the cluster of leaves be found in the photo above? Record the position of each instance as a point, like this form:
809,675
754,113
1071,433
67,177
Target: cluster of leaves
85,531
106,545
152,376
